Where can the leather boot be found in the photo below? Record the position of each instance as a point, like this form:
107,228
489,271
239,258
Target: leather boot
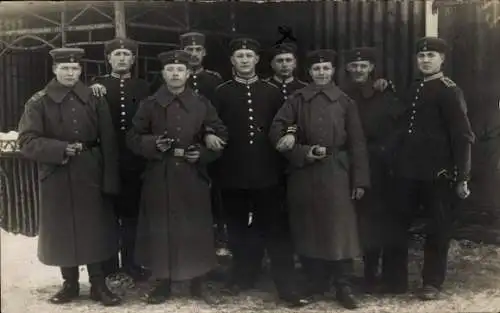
346,298
70,290
160,293
99,292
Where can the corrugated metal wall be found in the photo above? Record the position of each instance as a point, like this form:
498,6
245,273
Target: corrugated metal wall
473,32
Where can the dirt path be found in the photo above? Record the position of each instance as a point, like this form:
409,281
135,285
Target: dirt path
473,286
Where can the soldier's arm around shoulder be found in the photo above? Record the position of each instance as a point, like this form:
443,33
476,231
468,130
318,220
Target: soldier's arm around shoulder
356,145
32,139
454,109
140,138
109,147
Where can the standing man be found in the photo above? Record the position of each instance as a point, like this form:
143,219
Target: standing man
70,133
378,111
123,94
175,234
250,176
328,170
433,157
284,63
204,82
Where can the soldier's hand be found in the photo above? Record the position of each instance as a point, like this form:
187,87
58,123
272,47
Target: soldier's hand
357,193
380,84
463,190
316,153
214,142
71,150
98,90
192,156
163,144
285,143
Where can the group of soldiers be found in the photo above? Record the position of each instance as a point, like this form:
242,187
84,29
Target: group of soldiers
323,172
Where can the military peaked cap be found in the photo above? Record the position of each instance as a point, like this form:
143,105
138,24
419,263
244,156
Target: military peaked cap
67,55
174,57
320,56
431,44
192,39
244,43
283,48
120,43
361,54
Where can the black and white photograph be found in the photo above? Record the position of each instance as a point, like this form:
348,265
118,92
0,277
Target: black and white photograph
250,156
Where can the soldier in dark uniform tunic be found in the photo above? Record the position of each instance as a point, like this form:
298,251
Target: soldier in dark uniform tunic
433,156
204,82
284,63
250,176
70,134
378,111
124,93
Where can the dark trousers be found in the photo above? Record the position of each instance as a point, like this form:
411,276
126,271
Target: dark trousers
268,231
434,198
218,215
126,208
72,275
320,273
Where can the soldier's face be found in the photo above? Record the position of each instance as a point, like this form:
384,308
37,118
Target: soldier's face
197,53
121,60
175,75
284,64
360,71
244,61
430,62
67,74
322,73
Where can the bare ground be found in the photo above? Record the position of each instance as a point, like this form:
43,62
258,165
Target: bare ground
473,285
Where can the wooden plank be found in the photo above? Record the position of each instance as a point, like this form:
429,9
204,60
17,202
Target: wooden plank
120,24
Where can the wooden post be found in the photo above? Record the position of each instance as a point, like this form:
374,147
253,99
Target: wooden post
120,24
63,25
431,19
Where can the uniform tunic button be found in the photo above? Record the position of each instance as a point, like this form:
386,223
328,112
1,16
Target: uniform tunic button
249,100
249,94
122,92
251,127
284,91
194,76
122,128
74,121
76,131
123,121
412,117
121,85
194,83
248,86
123,113
285,97
73,110
123,105
413,104
414,111
121,81
421,84
251,142
252,134
122,98
251,118
196,90
250,110
178,129
410,131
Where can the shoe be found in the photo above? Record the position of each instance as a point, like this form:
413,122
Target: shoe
68,292
346,298
293,300
99,292
159,294
429,293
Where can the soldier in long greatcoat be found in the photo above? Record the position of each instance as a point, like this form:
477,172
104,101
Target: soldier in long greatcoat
328,169
69,133
123,93
175,234
378,111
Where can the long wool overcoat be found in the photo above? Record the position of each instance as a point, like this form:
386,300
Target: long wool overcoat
175,235
76,223
322,214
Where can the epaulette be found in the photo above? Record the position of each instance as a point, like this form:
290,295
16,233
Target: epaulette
216,74
267,79
270,84
223,84
448,82
302,82
37,96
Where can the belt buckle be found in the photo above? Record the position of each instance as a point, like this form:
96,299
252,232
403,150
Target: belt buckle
178,152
